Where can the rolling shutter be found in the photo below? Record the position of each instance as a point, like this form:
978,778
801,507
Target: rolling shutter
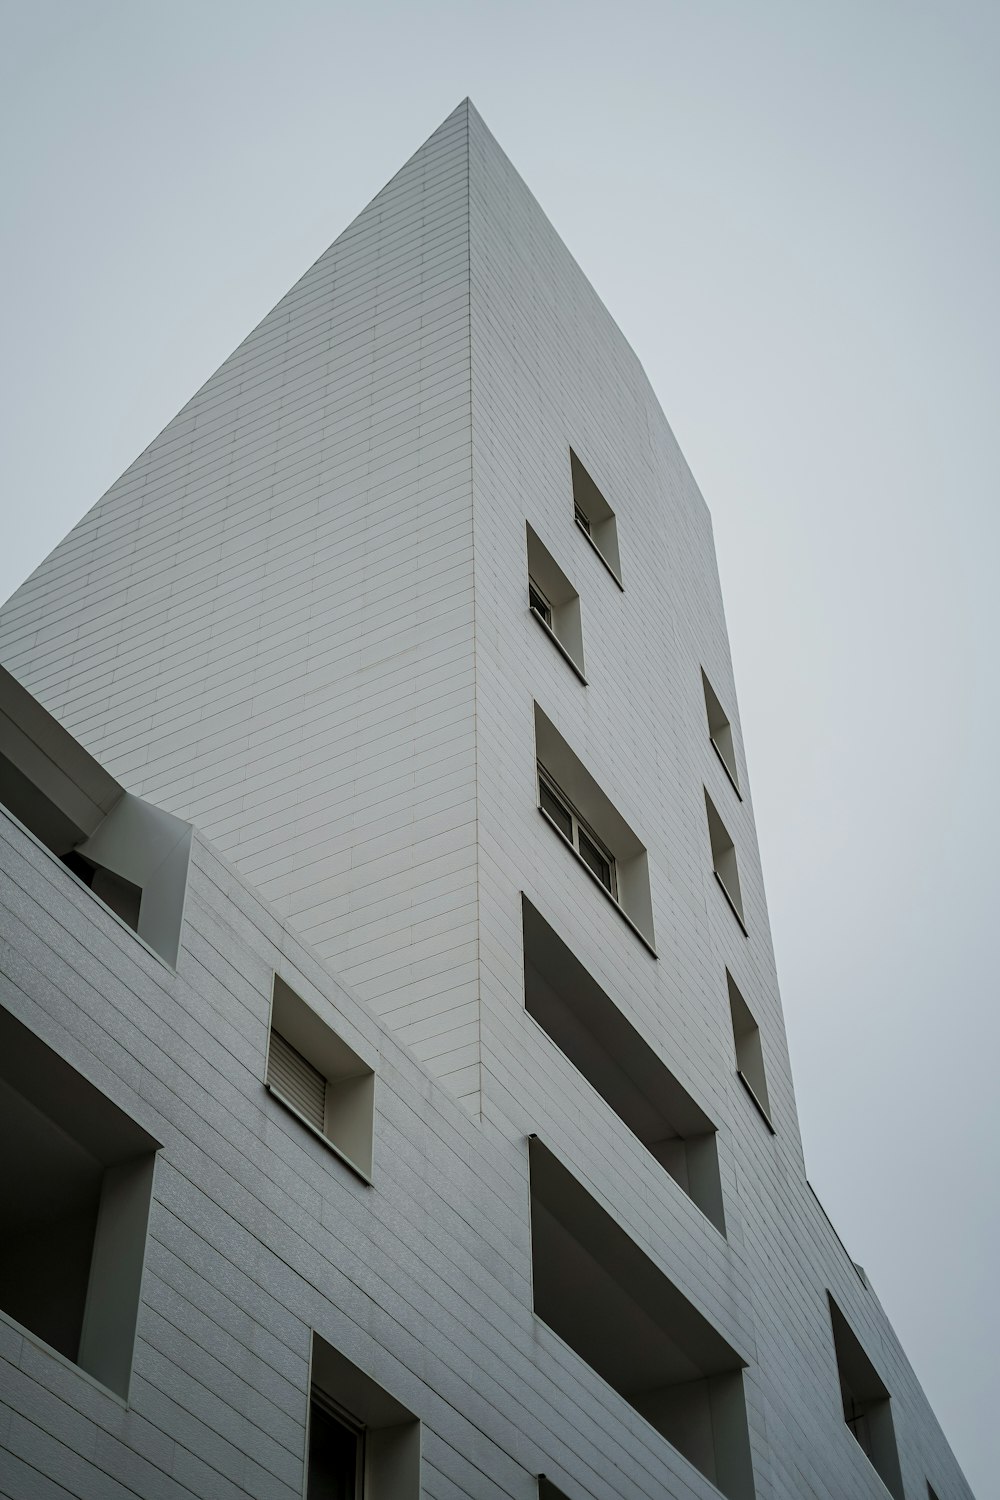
298,1082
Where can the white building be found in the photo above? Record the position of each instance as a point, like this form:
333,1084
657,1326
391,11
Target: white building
417,1044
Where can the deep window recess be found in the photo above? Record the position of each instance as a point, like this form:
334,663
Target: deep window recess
595,518
554,602
724,861
548,1491
749,1053
132,856
720,732
867,1408
615,1308
123,898
336,1452
584,1022
363,1443
574,804
564,815
320,1078
74,1206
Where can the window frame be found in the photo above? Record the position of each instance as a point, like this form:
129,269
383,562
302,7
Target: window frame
545,614
351,1424
577,824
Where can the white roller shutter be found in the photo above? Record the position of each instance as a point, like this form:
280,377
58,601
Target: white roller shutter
295,1078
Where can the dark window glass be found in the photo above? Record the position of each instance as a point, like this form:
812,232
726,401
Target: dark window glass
596,860
556,811
334,1457
582,518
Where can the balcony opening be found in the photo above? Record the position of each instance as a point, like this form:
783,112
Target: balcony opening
595,518
724,861
75,1197
323,1081
555,603
720,732
363,1444
616,1309
749,1052
574,805
867,1406
585,1024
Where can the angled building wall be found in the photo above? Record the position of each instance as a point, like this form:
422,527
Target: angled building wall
414,613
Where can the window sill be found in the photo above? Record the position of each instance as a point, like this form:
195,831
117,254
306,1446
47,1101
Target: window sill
760,1108
644,940
731,903
600,554
325,1139
559,645
725,767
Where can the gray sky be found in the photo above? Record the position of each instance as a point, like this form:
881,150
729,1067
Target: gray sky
792,211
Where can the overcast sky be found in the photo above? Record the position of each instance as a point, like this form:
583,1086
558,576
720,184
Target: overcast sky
792,211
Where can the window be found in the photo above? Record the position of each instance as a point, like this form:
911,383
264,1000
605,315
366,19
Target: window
554,602
595,518
720,732
74,1206
563,814
724,861
749,1054
336,1452
615,1308
548,1491
575,805
322,1080
132,856
363,1443
866,1403
584,1023
539,603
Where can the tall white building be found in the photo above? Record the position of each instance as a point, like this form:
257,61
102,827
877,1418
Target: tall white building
406,1103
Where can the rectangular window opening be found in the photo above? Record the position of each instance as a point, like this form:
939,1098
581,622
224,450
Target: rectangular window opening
574,804
867,1408
614,1307
554,602
720,732
749,1052
76,1196
321,1079
585,1024
363,1443
595,518
724,861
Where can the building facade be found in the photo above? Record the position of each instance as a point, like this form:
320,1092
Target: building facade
421,1010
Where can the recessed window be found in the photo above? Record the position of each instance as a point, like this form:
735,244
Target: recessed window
724,861
132,856
548,1491
749,1053
585,1024
122,896
75,1196
336,1452
561,812
595,518
363,1443
615,1308
720,732
554,602
539,603
574,804
866,1403
321,1079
